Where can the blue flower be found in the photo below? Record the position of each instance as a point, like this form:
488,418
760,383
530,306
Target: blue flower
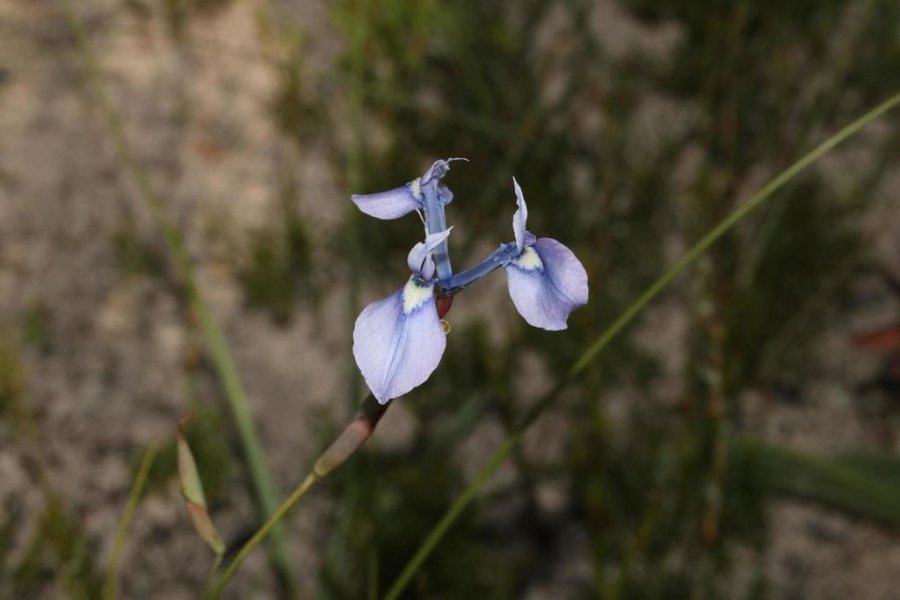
401,201
398,342
425,195
546,281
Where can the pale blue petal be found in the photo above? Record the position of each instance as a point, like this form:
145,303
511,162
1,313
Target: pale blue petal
419,259
391,204
546,283
398,342
445,195
520,217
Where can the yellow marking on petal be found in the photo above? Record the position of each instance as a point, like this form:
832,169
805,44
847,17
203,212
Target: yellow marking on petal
415,294
416,189
446,325
529,260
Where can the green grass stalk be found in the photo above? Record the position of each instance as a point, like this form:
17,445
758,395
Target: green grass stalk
347,443
592,351
111,585
261,480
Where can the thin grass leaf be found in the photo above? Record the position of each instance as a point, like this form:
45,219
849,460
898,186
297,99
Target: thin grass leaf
261,480
192,491
854,484
881,467
111,585
594,349
348,442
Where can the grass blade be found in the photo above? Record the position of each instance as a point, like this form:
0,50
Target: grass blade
111,585
592,351
194,497
853,483
347,443
261,480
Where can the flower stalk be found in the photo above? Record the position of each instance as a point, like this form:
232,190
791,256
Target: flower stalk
354,435
616,327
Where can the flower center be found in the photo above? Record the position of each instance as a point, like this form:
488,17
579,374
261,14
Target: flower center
529,260
415,294
416,185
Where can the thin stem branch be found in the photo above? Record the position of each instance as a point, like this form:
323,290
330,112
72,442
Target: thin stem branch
724,226
263,532
353,436
434,538
355,173
210,577
111,585
592,351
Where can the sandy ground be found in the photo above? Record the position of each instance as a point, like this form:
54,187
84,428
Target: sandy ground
107,380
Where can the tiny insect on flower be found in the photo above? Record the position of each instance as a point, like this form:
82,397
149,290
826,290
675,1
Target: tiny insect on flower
398,341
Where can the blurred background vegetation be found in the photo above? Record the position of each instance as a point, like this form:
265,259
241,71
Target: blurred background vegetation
633,127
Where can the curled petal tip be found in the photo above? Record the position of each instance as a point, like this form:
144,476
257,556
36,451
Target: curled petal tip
438,169
520,219
419,259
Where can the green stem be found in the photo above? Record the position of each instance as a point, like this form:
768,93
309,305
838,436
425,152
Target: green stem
262,483
434,538
210,577
262,532
111,585
373,573
355,172
354,435
592,351
723,227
